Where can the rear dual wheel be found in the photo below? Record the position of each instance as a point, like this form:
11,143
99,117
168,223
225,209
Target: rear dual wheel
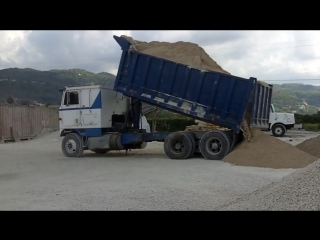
215,145
179,145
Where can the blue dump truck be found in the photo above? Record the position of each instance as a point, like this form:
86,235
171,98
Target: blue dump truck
232,102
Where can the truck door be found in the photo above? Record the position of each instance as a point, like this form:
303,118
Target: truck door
273,115
70,109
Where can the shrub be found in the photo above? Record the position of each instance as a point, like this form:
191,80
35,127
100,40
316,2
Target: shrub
172,125
311,127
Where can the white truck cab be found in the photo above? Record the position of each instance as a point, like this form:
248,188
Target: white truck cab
93,117
279,123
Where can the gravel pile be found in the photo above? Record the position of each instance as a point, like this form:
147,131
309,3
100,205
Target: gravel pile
299,190
311,146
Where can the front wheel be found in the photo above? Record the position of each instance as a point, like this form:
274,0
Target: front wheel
278,130
72,145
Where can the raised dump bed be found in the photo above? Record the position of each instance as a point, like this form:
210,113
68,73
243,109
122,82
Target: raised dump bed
209,96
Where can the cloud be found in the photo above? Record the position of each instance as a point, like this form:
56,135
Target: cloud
266,55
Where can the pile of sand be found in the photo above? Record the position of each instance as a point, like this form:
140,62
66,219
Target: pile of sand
268,151
311,146
181,52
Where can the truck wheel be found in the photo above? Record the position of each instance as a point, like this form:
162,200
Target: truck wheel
193,141
214,146
278,130
228,138
72,145
178,145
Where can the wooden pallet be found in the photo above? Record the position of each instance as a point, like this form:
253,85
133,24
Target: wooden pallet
25,138
15,139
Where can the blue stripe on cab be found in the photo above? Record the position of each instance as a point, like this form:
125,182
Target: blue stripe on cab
97,102
70,109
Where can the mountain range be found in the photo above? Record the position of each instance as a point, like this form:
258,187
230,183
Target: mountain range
43,87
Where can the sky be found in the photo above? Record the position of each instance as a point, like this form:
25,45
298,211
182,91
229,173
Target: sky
273,56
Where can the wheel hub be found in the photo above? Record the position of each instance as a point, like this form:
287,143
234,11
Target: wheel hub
214,146
278,130
177,146
70,146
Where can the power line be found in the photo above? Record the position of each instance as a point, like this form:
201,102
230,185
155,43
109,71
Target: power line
105,61
266,44
269,49
278,80
277,74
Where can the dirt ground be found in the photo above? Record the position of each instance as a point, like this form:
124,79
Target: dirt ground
35,175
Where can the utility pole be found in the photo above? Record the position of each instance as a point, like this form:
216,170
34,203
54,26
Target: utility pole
9,86
10,99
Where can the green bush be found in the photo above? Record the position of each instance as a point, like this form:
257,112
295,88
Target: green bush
311,126
172,125
308,118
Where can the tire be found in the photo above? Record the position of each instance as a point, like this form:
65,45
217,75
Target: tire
229,140
178,145
278,130
72,145
100,151
193,141
214,146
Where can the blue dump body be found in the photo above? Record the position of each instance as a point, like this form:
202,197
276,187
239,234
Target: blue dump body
209,96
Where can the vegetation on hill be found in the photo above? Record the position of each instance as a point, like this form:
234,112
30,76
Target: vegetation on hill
43,86
297,98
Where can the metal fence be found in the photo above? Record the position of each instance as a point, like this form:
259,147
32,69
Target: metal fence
24,122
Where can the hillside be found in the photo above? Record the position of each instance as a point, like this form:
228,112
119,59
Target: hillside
43,86
296,97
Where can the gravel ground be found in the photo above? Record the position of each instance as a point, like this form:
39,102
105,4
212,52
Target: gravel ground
35,175
297,191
